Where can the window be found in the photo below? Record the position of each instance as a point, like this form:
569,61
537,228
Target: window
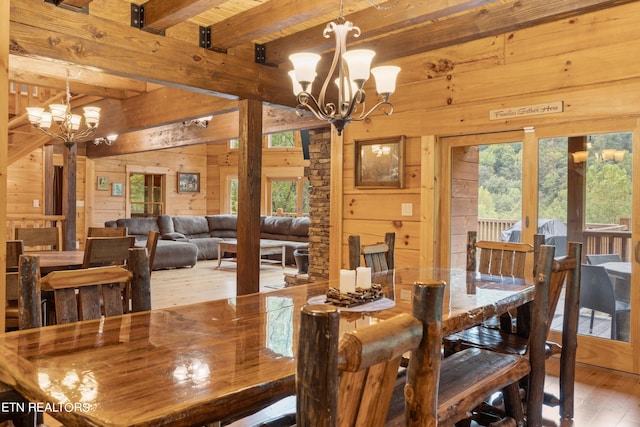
289,196
234,143
146,193
281,140
233,195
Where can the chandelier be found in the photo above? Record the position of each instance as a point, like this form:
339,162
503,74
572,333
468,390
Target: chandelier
68,125
353,70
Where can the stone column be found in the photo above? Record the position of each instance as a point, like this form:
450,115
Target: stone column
319,174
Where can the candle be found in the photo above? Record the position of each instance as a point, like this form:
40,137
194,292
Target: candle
363,277
347,281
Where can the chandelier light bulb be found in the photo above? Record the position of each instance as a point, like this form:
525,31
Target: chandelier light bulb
359,63
58,112
304,65
385,77
45,121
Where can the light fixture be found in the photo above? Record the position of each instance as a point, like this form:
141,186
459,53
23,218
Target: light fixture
68,125
610,155
109,139
202,122
605,155
352,73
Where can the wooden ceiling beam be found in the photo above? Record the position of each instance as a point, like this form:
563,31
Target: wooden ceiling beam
125,51
162,14
266,19
487,22
74,4
159,107
372,24
222,128
34,72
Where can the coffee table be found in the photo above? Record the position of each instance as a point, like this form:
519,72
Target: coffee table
266,248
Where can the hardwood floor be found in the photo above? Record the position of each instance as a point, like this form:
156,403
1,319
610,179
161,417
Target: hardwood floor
205,282
604,398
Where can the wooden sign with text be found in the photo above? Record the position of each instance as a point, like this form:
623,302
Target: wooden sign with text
527,110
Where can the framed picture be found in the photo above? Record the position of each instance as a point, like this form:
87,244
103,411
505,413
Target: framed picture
380,162
188,182
103,183
116,189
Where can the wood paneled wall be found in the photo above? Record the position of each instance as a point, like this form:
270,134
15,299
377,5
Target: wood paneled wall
4,140
587,62
25,180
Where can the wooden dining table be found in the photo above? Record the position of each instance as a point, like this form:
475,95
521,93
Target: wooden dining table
214,360
58,260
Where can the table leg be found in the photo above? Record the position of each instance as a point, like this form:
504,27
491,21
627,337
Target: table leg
284,251
219,255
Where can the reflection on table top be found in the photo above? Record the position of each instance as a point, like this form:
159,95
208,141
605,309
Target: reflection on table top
203,362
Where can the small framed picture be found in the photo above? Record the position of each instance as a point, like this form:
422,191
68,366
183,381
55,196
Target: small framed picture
188,182
103,183
116,189
380,162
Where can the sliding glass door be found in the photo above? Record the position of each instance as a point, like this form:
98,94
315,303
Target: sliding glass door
570,184
586,180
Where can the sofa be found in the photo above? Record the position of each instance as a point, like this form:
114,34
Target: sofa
186,239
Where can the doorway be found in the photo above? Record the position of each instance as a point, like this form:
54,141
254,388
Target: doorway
485,184
582,184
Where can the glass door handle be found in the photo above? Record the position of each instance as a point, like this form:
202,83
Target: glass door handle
636,252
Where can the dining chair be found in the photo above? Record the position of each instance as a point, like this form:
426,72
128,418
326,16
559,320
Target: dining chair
39,238
83,293
15,248
348,381
87,293
379,256
152,244
561,269
100,251
11,306
497,258
598,294
506,259
106,231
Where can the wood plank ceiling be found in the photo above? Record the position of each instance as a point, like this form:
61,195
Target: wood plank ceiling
148,81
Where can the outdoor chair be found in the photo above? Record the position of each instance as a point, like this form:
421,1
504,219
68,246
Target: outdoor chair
596,259
597,293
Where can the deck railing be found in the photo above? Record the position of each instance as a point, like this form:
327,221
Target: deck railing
597,238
